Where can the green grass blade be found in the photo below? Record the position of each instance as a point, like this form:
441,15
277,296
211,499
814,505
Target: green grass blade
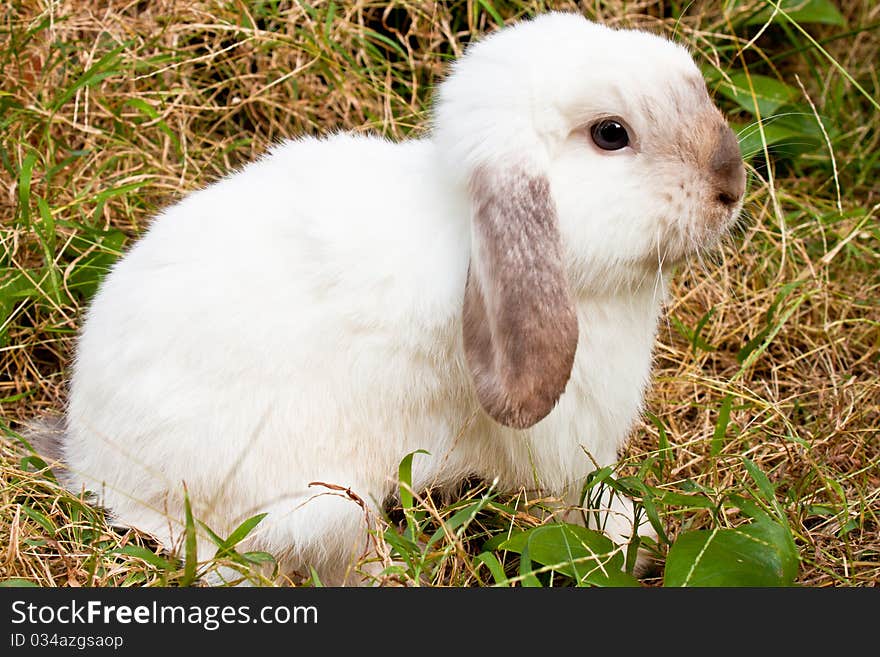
24,188
721,425
190,561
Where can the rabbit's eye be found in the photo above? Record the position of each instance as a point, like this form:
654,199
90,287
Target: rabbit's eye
609,135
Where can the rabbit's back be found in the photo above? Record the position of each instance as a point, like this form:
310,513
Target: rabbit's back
261,332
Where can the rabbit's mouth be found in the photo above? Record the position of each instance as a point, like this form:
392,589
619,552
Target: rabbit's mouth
682,240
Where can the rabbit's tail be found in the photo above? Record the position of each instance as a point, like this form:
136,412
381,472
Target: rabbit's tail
46,436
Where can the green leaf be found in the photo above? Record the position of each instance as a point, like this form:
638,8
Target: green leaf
98,71
245,528
749,507
46,231
664,448
679,326
40,519
64,163
721,425
405,546
217,540
259,557
493,543
527,576
688,501
789,134
15,398
153,115
226,546
91,268
490,9
761,480
190,546
316,580
33,463
381,38
584,554
648,495
25,175
18,582
404,475
491,562
460,519
328,20
407,549
754,347
765,94
751,345
800,11
147,555
693,337
698,341
760,554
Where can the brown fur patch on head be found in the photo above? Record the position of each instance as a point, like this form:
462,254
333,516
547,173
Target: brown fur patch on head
519,325
698,137
690,158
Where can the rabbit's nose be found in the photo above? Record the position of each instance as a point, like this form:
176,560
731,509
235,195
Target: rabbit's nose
728,172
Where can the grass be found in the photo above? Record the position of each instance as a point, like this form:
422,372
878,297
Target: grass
766,396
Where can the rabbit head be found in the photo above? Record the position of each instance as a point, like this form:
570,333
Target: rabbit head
592,158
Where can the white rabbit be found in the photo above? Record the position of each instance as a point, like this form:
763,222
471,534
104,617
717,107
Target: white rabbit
488,294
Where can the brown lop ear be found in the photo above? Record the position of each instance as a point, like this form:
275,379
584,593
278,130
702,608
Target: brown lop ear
519,323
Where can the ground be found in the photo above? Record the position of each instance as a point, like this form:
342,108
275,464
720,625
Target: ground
769,352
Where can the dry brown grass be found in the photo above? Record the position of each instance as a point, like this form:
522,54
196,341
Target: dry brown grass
194,89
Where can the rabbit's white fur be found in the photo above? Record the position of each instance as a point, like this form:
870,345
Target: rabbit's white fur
301,320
